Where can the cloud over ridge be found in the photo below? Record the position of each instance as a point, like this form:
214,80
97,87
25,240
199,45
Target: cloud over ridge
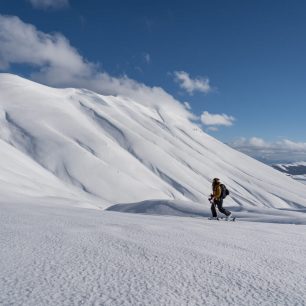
216,119
281,150
57,63
199,84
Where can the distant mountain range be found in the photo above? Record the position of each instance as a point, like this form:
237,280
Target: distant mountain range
296,170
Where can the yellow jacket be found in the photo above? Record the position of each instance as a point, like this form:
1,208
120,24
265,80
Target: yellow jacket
217,191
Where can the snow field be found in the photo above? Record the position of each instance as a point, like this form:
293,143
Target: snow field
71,256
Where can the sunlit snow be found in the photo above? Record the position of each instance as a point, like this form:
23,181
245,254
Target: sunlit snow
104,202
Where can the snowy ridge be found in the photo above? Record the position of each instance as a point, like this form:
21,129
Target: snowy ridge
110,150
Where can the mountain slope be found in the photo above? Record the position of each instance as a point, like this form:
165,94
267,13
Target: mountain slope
110,150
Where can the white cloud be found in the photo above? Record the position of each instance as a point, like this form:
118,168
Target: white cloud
49,4
258,142
22,43
297,146
216,119
282,150
213,128
57,63
187,105
191,85
147,58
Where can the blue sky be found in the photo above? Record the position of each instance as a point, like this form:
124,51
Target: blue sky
241,62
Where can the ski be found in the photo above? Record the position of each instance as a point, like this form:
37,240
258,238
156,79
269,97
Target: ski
232,219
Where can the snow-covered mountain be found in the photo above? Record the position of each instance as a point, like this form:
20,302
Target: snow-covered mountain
103,150
296,170
66,150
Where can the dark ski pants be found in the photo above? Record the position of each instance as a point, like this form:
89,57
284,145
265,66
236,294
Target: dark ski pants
220,208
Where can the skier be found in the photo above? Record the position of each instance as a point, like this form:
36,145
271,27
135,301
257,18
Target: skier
216,199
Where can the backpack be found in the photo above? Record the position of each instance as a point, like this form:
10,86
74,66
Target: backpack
224,191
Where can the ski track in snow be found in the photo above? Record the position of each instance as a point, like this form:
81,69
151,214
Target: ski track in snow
71,256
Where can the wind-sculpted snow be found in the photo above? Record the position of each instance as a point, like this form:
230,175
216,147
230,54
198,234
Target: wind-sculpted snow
70,256
191,209
110,150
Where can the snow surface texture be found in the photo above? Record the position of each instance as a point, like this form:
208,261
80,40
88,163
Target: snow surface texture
74,256
104,150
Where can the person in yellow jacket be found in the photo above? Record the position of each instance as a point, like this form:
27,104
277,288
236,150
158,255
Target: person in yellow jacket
216,199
